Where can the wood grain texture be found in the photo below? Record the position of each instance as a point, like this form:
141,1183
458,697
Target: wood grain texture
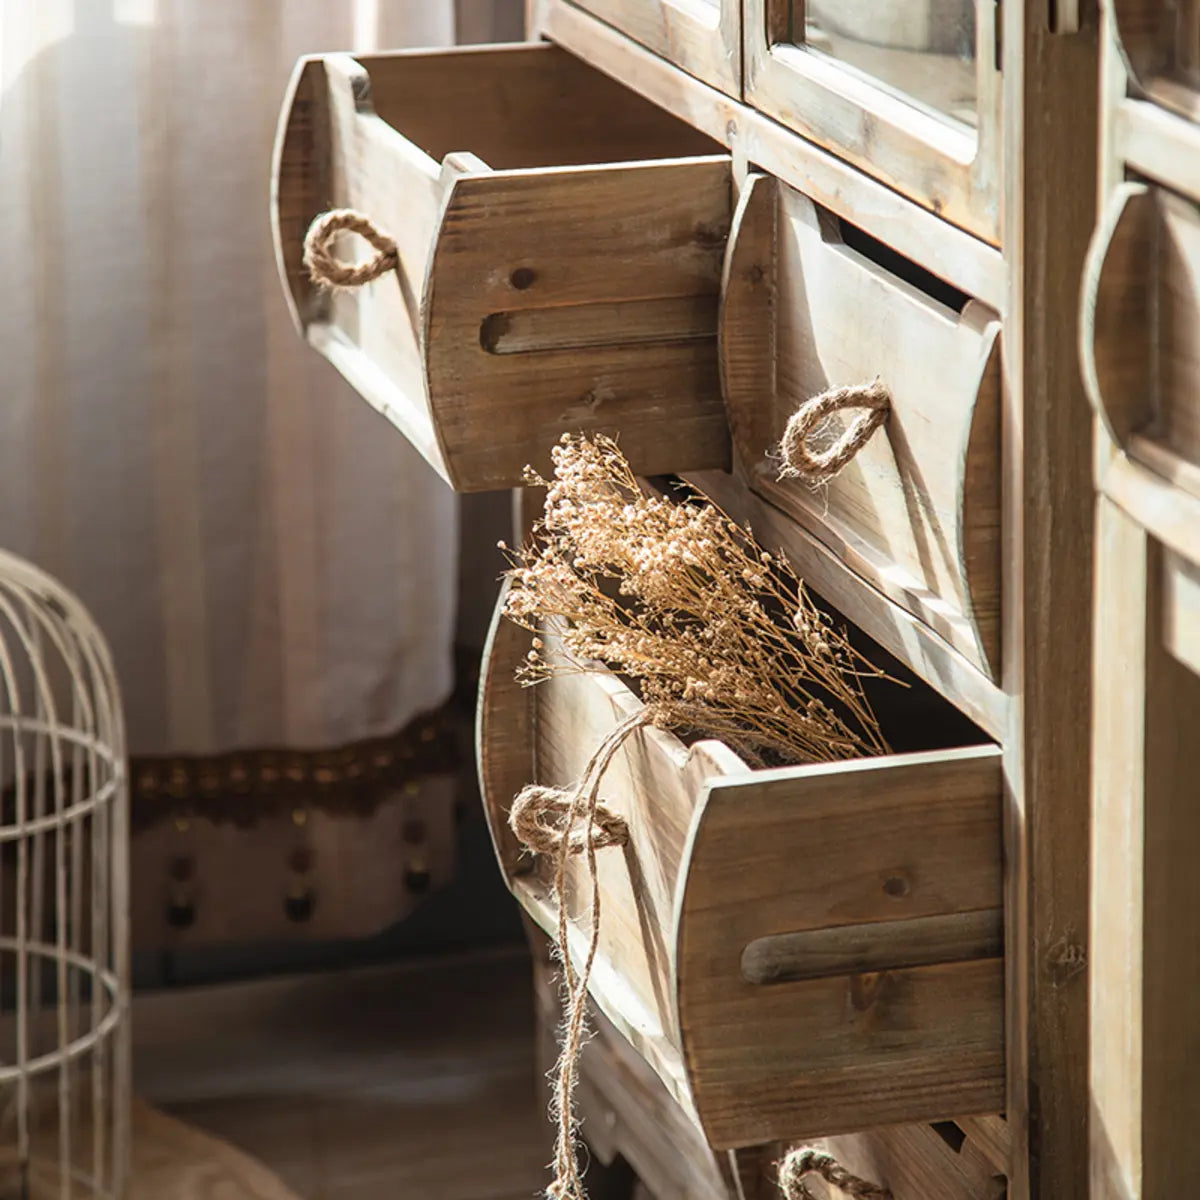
1050,173
940,163
1117,920
504,718
654,783
919,1162
880,840
1141,329
1169,1090
494,214
1146,838
875,946
169,1160
703,38
1116,334
637,234
1158,144
1142,376
951,253
1163,500
409,1079
175,1161
627,1112
916,513
991,1134
1181,609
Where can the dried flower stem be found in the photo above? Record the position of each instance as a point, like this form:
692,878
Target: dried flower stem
682,599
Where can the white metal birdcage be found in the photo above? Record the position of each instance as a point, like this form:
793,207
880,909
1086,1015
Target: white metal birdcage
64,1045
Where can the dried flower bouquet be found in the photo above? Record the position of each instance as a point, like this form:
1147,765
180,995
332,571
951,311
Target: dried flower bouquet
720,635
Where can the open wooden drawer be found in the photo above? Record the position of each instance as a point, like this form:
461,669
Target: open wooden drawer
559,242
1140,344
796,952
811,303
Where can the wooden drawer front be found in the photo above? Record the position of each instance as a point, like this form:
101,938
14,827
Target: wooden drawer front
559,255
1141,356
909,92
795,952
701,36
917,512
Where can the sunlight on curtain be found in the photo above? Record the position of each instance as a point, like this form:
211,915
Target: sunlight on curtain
270,561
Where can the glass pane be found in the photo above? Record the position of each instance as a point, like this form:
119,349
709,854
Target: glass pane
924,49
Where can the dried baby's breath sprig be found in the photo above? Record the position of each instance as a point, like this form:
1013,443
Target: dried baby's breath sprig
720,635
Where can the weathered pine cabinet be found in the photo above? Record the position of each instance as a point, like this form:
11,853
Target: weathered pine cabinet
1140,348
676,221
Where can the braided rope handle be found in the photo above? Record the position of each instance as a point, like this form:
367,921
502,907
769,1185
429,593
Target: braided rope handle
326,269
799,461
798,1164
539,819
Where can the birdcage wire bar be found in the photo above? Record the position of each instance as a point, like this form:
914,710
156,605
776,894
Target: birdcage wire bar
64,966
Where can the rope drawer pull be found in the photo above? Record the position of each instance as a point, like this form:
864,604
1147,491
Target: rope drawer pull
804,1162
326,269
799,461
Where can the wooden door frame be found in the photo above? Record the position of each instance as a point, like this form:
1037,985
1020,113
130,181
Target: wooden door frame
939,163
1050,170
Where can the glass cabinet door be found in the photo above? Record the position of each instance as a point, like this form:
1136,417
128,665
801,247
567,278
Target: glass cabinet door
1161,41
908,90
701,36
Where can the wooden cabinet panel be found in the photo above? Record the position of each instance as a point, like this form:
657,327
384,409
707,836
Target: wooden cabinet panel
911,96
1146,839
701,36
1141,354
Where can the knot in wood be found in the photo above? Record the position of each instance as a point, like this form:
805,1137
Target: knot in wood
539,817
799,1164
800,461
326,269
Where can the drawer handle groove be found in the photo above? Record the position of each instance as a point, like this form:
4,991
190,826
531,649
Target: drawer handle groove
877,946
804,1162
800,461
326,269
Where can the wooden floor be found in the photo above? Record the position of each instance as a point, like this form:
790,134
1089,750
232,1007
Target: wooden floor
414,1082
175,1161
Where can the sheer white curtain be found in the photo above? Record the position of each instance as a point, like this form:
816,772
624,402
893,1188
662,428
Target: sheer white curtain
270,561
